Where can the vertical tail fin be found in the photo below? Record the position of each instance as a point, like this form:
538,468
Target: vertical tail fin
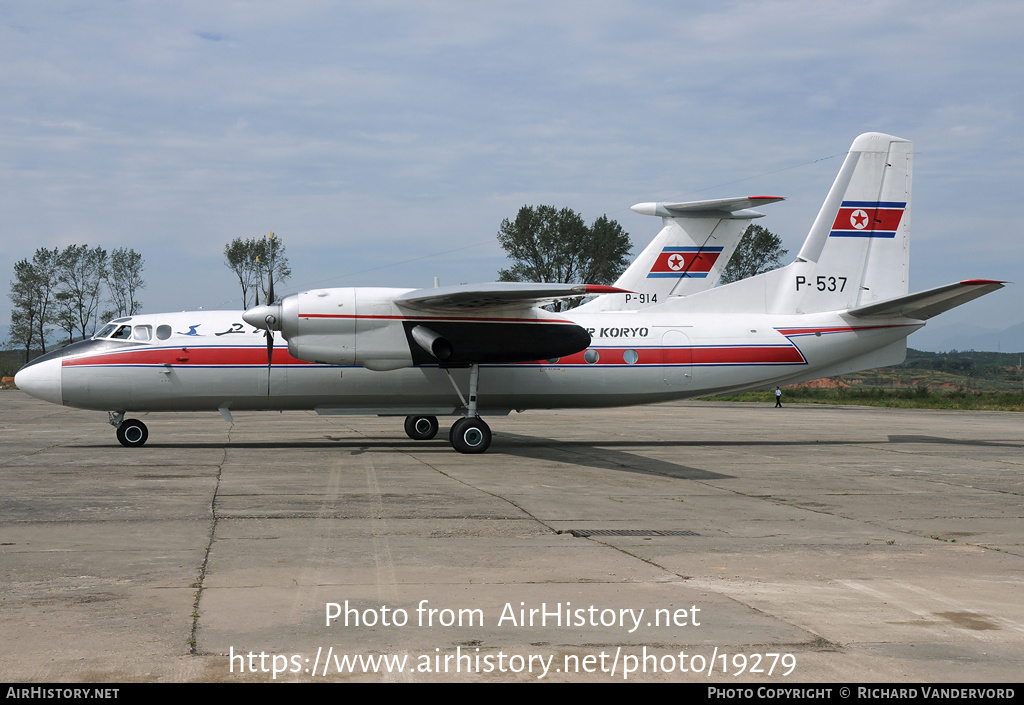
858,250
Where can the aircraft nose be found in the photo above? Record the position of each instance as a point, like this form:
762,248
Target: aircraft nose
41,380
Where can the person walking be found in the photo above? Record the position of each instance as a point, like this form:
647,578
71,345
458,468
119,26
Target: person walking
778,398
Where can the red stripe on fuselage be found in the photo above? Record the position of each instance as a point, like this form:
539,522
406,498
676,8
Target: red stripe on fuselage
199,355
257,357
710,355
835,329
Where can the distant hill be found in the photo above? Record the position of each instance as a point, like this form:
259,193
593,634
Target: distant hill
963,336
11,361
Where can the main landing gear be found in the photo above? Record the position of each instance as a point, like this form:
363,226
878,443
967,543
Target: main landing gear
131,433
470,434
467,435
421,428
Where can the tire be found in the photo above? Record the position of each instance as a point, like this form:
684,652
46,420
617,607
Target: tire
470,435
132,433
421,428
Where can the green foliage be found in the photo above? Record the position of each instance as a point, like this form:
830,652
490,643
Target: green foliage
124,281
11,361
550,245
32,296
917,397
65,288
759,250
80,271
953,380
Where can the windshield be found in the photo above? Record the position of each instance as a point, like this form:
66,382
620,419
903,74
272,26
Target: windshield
105,331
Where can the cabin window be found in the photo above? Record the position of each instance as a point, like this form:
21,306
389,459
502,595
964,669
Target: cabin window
630,356
143,333
163,332
591,356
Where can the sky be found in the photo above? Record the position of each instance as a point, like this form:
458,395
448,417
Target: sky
385,141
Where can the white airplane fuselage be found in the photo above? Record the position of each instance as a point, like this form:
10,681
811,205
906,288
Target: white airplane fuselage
213,360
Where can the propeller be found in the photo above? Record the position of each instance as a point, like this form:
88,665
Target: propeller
267,315
270,319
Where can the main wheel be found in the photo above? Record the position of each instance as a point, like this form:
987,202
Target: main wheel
470,435
421,428
132,433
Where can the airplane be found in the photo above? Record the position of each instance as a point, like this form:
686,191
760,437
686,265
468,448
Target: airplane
663,331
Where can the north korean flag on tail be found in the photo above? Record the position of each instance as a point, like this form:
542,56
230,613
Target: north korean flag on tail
689,262
868,219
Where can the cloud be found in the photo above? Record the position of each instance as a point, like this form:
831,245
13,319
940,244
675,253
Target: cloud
417,127
211,36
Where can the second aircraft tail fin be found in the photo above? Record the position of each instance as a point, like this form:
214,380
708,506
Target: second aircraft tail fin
689,254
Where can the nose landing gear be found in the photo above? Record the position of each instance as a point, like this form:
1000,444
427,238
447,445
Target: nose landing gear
131,433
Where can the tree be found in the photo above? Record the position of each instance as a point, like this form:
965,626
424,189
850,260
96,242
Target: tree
760,250
550,245
239,258
32,293
65,287
270,254
80,272
124,281
250,259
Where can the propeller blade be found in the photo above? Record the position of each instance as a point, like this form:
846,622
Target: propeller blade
270,276
270,347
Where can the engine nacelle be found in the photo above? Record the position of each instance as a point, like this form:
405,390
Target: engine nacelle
350,326
364,326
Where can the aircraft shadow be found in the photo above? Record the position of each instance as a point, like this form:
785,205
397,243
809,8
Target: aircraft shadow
939,440
604,455
597,455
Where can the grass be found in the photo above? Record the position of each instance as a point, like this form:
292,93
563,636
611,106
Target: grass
915,397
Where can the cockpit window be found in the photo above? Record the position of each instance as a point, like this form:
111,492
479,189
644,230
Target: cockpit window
122,333
107,330
143,333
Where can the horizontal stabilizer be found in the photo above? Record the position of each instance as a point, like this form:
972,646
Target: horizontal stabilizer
925,304
717,208
477,297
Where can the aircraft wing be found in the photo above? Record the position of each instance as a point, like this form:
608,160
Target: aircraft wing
925,304
479,297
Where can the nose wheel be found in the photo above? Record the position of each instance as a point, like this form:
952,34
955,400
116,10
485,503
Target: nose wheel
132,433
